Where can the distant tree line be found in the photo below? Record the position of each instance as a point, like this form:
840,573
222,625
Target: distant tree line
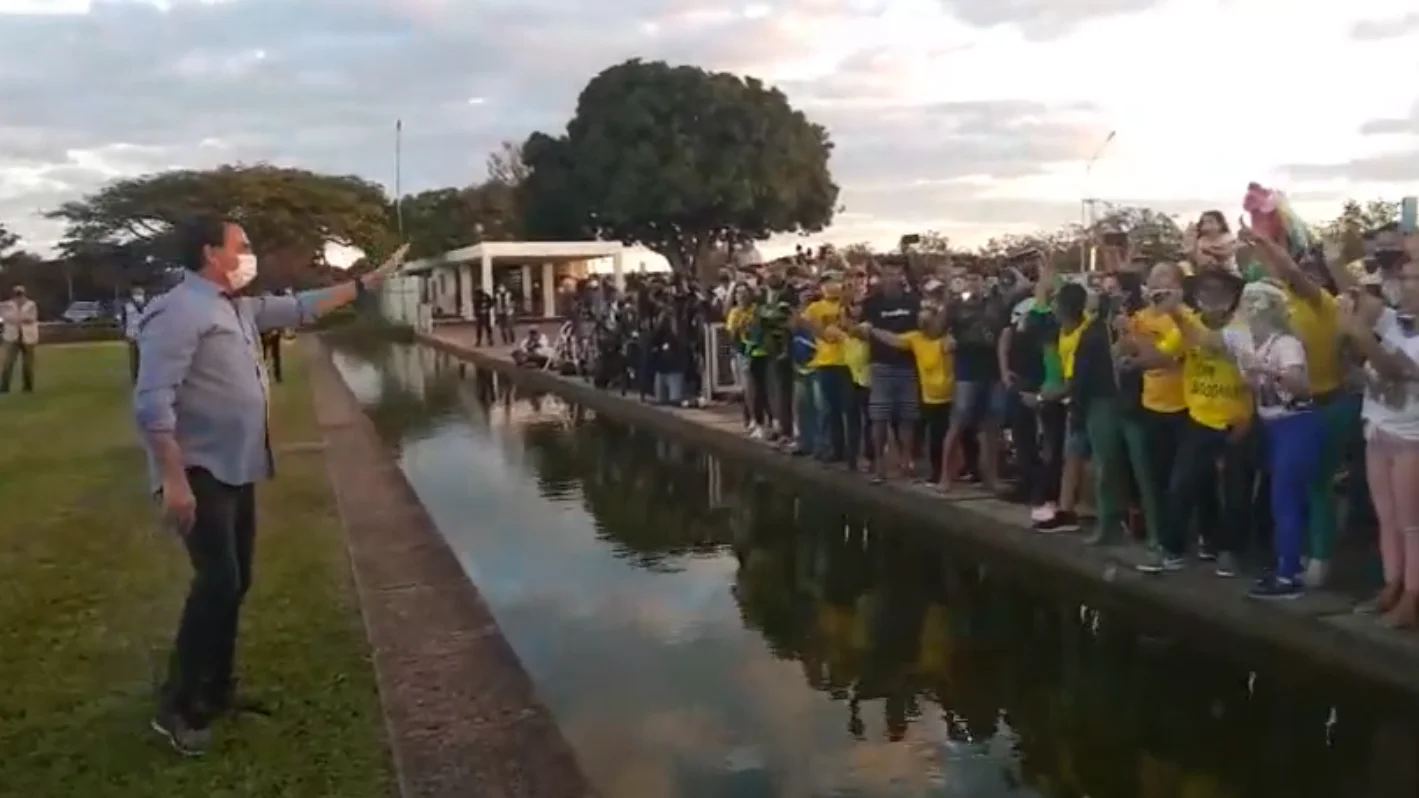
694,165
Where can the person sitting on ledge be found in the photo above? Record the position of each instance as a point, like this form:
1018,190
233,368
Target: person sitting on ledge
533,351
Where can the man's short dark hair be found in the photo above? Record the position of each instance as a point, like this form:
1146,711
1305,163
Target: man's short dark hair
193,235
1072,298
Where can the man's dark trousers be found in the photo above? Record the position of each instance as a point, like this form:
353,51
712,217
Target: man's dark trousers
24,353
133,357
833,386
219,545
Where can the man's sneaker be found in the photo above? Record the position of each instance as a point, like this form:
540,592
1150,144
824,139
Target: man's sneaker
184,737
1206,553
1227,564
1061,521
1272,586
1161,563
756,432
1042,513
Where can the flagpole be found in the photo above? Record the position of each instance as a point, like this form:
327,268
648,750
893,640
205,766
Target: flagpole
398,174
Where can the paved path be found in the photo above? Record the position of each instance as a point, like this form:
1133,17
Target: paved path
1320,626
461,715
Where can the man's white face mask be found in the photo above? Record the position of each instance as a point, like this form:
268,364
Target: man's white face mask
138,296
245,271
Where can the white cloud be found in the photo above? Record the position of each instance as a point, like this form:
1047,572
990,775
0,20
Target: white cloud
974,117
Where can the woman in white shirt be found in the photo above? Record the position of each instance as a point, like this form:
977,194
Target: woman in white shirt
1390,341
1273,363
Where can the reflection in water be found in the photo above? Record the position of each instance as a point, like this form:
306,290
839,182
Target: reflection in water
700,631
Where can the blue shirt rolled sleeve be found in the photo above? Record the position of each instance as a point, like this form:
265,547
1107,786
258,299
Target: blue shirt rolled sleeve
281,312
167,340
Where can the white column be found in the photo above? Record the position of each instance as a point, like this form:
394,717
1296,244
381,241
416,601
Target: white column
487,282
618,270
526,288
465,293
549,289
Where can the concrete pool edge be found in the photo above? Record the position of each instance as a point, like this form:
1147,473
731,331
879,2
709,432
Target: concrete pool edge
1325,639
461,714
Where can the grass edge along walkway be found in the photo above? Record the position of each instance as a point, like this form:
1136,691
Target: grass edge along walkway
90,594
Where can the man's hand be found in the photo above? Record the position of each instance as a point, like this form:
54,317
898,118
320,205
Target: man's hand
390,265
1245,233
179,506
1358,313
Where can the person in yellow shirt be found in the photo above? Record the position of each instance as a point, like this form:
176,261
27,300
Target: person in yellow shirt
1152,433
857,357
751,359
830,380
1219,415
932,348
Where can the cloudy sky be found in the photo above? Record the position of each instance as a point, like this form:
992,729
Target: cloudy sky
973,117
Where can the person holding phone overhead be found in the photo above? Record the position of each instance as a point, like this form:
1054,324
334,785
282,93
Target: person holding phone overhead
201,405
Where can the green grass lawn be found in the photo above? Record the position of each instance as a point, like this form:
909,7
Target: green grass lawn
90,593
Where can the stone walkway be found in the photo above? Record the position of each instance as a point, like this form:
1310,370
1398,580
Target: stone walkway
1320,627
461,715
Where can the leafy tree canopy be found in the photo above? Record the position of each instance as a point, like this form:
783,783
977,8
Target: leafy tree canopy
8,241
443,219
1347,230
679,160
290,214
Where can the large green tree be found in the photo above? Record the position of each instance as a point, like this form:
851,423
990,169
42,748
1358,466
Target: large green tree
443,219
1346,231
8,242
290,215
680,160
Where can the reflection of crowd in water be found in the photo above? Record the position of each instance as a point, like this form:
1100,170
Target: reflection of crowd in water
902,633
891,626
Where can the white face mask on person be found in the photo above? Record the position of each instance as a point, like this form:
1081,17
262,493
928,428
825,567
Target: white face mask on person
244,272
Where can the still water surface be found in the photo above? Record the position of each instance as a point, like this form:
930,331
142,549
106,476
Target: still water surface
698,630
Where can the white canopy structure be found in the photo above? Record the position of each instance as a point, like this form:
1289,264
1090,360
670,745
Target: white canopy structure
450,277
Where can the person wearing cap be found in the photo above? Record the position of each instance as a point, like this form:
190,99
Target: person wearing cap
1219,426
19,317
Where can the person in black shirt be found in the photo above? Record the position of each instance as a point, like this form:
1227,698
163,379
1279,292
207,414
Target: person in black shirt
669,358
1022,371
979,316
894,392
482,317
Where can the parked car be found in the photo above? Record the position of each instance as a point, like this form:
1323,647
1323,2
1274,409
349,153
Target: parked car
84,312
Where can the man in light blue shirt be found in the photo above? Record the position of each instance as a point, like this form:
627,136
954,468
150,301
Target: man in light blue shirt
201,406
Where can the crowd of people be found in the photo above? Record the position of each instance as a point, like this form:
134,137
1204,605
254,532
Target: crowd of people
1222,406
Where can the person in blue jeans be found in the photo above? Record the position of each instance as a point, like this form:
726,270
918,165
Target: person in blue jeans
805,398
669,357
1273,363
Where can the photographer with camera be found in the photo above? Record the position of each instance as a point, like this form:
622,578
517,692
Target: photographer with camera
668,356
